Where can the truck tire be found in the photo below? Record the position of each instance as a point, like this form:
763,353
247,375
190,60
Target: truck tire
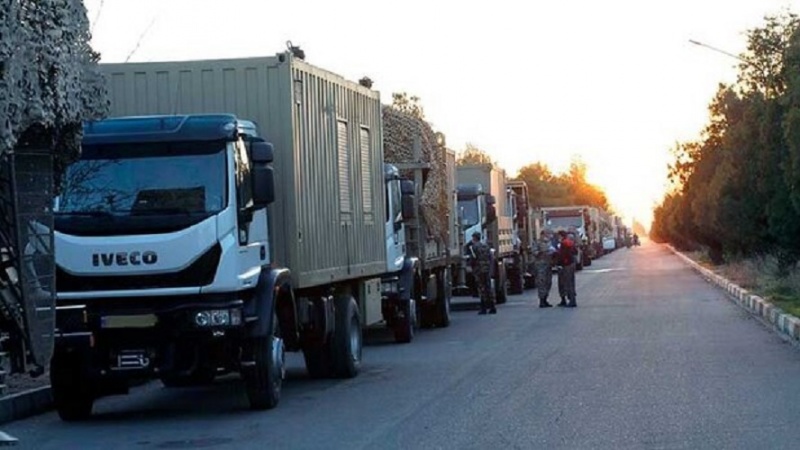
73,396
347,339
516,283
444,293
502,285
404,327
265,379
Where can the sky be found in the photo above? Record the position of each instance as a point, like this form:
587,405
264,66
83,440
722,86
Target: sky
615,82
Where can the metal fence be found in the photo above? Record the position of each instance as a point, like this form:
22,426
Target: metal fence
27,261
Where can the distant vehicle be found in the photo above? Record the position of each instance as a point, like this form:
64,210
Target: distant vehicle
609,244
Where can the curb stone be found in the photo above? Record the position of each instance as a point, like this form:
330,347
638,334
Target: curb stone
25,404
784,323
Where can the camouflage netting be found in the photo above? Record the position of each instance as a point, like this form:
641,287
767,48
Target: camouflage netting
399,132
49,84
49,81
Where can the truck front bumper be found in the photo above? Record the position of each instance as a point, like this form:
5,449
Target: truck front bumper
124,340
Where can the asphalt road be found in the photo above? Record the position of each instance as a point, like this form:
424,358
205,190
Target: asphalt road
653,357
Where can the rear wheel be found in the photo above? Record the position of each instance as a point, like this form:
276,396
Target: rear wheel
347,339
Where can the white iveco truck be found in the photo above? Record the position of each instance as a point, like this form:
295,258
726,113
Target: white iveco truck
192,245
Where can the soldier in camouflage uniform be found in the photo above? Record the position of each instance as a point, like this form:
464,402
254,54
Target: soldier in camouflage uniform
481,261
543,263
566,258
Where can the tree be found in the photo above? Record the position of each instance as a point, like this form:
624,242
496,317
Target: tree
571,188
540,181
763,67
408,104
474,155
737,189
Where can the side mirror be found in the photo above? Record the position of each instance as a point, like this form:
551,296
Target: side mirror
408,207
262,152
263,178
407,198
491,213
263,185
397,226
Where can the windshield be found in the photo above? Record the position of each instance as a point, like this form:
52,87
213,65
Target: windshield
469,215
564,222
146,179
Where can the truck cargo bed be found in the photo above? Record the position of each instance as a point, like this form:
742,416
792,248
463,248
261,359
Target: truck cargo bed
327,223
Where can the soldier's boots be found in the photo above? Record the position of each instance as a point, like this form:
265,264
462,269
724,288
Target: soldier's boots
491,310
563,302
543,303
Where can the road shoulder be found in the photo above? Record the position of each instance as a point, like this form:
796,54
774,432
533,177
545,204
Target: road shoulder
785,324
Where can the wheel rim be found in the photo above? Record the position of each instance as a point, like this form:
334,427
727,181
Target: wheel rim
355,340
278,359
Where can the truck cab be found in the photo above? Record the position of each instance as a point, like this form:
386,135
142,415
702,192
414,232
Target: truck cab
572,220
416,287
477,213
476,210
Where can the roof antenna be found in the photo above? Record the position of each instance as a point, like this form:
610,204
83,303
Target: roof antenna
296,51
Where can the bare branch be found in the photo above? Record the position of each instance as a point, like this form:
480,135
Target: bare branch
141,37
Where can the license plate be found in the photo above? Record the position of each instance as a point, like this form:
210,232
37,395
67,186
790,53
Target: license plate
137,321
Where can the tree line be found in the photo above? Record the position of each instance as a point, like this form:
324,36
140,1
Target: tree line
545,188
735,190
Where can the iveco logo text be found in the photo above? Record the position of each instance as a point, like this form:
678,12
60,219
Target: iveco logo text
124,258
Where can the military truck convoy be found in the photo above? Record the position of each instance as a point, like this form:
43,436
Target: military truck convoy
259,219
232,210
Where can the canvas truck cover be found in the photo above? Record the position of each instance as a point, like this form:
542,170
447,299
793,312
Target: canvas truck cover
327,223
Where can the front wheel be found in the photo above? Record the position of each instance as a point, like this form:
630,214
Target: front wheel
403,327
444,295
265,379
73,396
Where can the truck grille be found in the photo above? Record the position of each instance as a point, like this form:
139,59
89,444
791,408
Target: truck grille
199,273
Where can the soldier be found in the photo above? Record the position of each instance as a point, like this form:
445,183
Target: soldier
566,256
481,262
543,263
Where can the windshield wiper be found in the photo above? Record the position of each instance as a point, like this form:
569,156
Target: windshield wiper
85,213
157,211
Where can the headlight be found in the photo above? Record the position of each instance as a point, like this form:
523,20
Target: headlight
390,287
218,317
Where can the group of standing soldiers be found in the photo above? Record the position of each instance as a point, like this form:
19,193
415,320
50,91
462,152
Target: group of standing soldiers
559,251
